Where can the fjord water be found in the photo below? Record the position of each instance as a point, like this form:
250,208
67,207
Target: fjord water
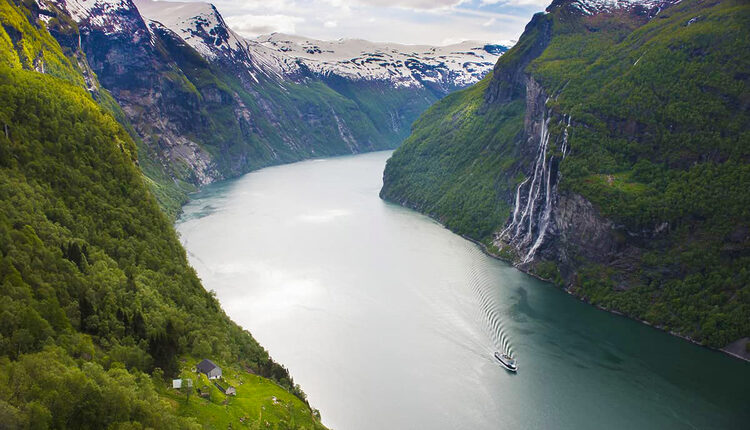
388,320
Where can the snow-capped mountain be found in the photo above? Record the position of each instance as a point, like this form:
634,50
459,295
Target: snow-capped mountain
111,16
209,103
200,25
444,67
456,65
649,7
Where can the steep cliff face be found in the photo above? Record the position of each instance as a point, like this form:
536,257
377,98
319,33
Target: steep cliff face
628,154
510,77
133,63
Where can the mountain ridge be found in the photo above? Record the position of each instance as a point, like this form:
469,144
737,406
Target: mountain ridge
205,104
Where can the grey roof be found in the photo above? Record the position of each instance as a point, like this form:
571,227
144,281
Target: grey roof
206,366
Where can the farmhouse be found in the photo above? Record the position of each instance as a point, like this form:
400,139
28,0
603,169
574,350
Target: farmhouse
209,368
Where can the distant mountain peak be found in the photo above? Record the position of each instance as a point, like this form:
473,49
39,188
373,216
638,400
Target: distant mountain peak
592,7
111,16
199,24
456,65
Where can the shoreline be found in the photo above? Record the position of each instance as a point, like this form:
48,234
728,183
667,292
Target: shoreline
487,252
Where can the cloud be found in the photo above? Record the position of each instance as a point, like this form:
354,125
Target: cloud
541,3
432,22
250,25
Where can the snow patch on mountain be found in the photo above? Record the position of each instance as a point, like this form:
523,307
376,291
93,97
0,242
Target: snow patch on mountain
591,7
200,25
103,14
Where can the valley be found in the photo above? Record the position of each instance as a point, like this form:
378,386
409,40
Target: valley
205,225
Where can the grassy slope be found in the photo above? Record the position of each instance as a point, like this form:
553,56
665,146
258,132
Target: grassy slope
663,140
97,292
253,406
448,167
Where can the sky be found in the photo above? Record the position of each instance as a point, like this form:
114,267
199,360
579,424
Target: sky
432,22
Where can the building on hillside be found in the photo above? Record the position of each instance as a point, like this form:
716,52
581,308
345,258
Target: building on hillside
179,383
231,391
209,368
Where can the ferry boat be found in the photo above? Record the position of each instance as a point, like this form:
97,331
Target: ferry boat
507,361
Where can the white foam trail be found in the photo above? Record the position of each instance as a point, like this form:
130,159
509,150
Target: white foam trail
489,309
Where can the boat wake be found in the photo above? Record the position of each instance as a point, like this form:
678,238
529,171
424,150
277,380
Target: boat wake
489,308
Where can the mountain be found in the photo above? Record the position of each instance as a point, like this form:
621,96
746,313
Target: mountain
204,104
608,153
440,69
99,305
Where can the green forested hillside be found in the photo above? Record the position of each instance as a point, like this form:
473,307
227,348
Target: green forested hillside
659,144
99,305
96,288
449,166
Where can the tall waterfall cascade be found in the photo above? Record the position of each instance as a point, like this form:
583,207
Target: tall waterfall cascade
536,195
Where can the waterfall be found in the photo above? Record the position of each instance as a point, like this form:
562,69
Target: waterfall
530,229
564,146
516,207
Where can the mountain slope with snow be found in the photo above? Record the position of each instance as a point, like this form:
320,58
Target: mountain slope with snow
447,67
208,104
200,25
442,68
649,7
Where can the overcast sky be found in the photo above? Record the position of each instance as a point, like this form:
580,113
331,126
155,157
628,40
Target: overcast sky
435,22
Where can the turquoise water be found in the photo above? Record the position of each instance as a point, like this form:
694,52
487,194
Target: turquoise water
388,320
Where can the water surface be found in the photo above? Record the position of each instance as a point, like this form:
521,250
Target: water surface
388,320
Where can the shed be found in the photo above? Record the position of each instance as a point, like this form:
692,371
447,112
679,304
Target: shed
179,383
209,368
231,391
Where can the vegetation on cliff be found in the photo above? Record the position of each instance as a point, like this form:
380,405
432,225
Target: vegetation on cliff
658,143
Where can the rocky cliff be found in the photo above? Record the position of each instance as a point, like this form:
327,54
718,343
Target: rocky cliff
586,159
